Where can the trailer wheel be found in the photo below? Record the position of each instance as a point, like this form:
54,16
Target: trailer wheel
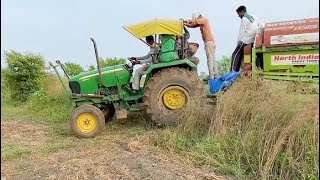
168,92
87,121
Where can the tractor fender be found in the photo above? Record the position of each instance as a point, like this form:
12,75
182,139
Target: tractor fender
186,63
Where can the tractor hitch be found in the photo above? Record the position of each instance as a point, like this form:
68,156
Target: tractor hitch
61,81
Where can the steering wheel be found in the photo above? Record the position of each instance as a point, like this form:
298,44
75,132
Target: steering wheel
131,61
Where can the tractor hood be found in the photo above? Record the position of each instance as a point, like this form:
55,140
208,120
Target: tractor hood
94,73
87,82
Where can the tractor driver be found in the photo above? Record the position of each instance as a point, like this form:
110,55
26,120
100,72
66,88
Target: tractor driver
146,60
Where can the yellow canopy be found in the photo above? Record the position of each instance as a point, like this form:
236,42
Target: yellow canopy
156,26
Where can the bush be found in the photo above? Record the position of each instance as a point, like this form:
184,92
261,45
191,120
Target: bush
49,104
224,64
4,86
48,107
73,69
23,74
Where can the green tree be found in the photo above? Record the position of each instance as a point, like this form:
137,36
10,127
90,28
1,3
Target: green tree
111,61
73,68
108,62
23,74
91,68
224,64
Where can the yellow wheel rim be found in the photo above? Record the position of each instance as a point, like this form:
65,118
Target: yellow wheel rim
86,122
174,99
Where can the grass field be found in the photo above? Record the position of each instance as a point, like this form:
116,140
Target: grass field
257,130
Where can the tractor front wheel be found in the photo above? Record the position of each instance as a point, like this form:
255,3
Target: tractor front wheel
168,92
87,121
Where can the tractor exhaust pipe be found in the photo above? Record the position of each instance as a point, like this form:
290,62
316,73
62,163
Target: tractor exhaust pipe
98,64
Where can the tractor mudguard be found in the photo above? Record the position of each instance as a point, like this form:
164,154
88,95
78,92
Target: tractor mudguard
175,63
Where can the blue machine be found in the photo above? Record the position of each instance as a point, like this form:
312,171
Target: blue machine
223,82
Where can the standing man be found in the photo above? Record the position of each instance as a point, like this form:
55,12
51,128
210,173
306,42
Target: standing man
209,43
146,60
248,29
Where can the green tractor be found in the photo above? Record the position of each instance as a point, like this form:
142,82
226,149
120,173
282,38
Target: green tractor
282,51
101,94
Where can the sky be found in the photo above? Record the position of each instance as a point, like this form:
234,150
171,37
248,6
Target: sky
61,30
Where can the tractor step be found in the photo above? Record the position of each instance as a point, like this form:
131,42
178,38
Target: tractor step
121,114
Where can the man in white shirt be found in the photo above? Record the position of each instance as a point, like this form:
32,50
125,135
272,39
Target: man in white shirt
248,29
146,60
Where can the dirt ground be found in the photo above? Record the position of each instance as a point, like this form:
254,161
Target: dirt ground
32,150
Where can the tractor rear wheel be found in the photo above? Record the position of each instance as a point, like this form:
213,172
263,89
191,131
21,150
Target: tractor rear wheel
168,92
87,121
